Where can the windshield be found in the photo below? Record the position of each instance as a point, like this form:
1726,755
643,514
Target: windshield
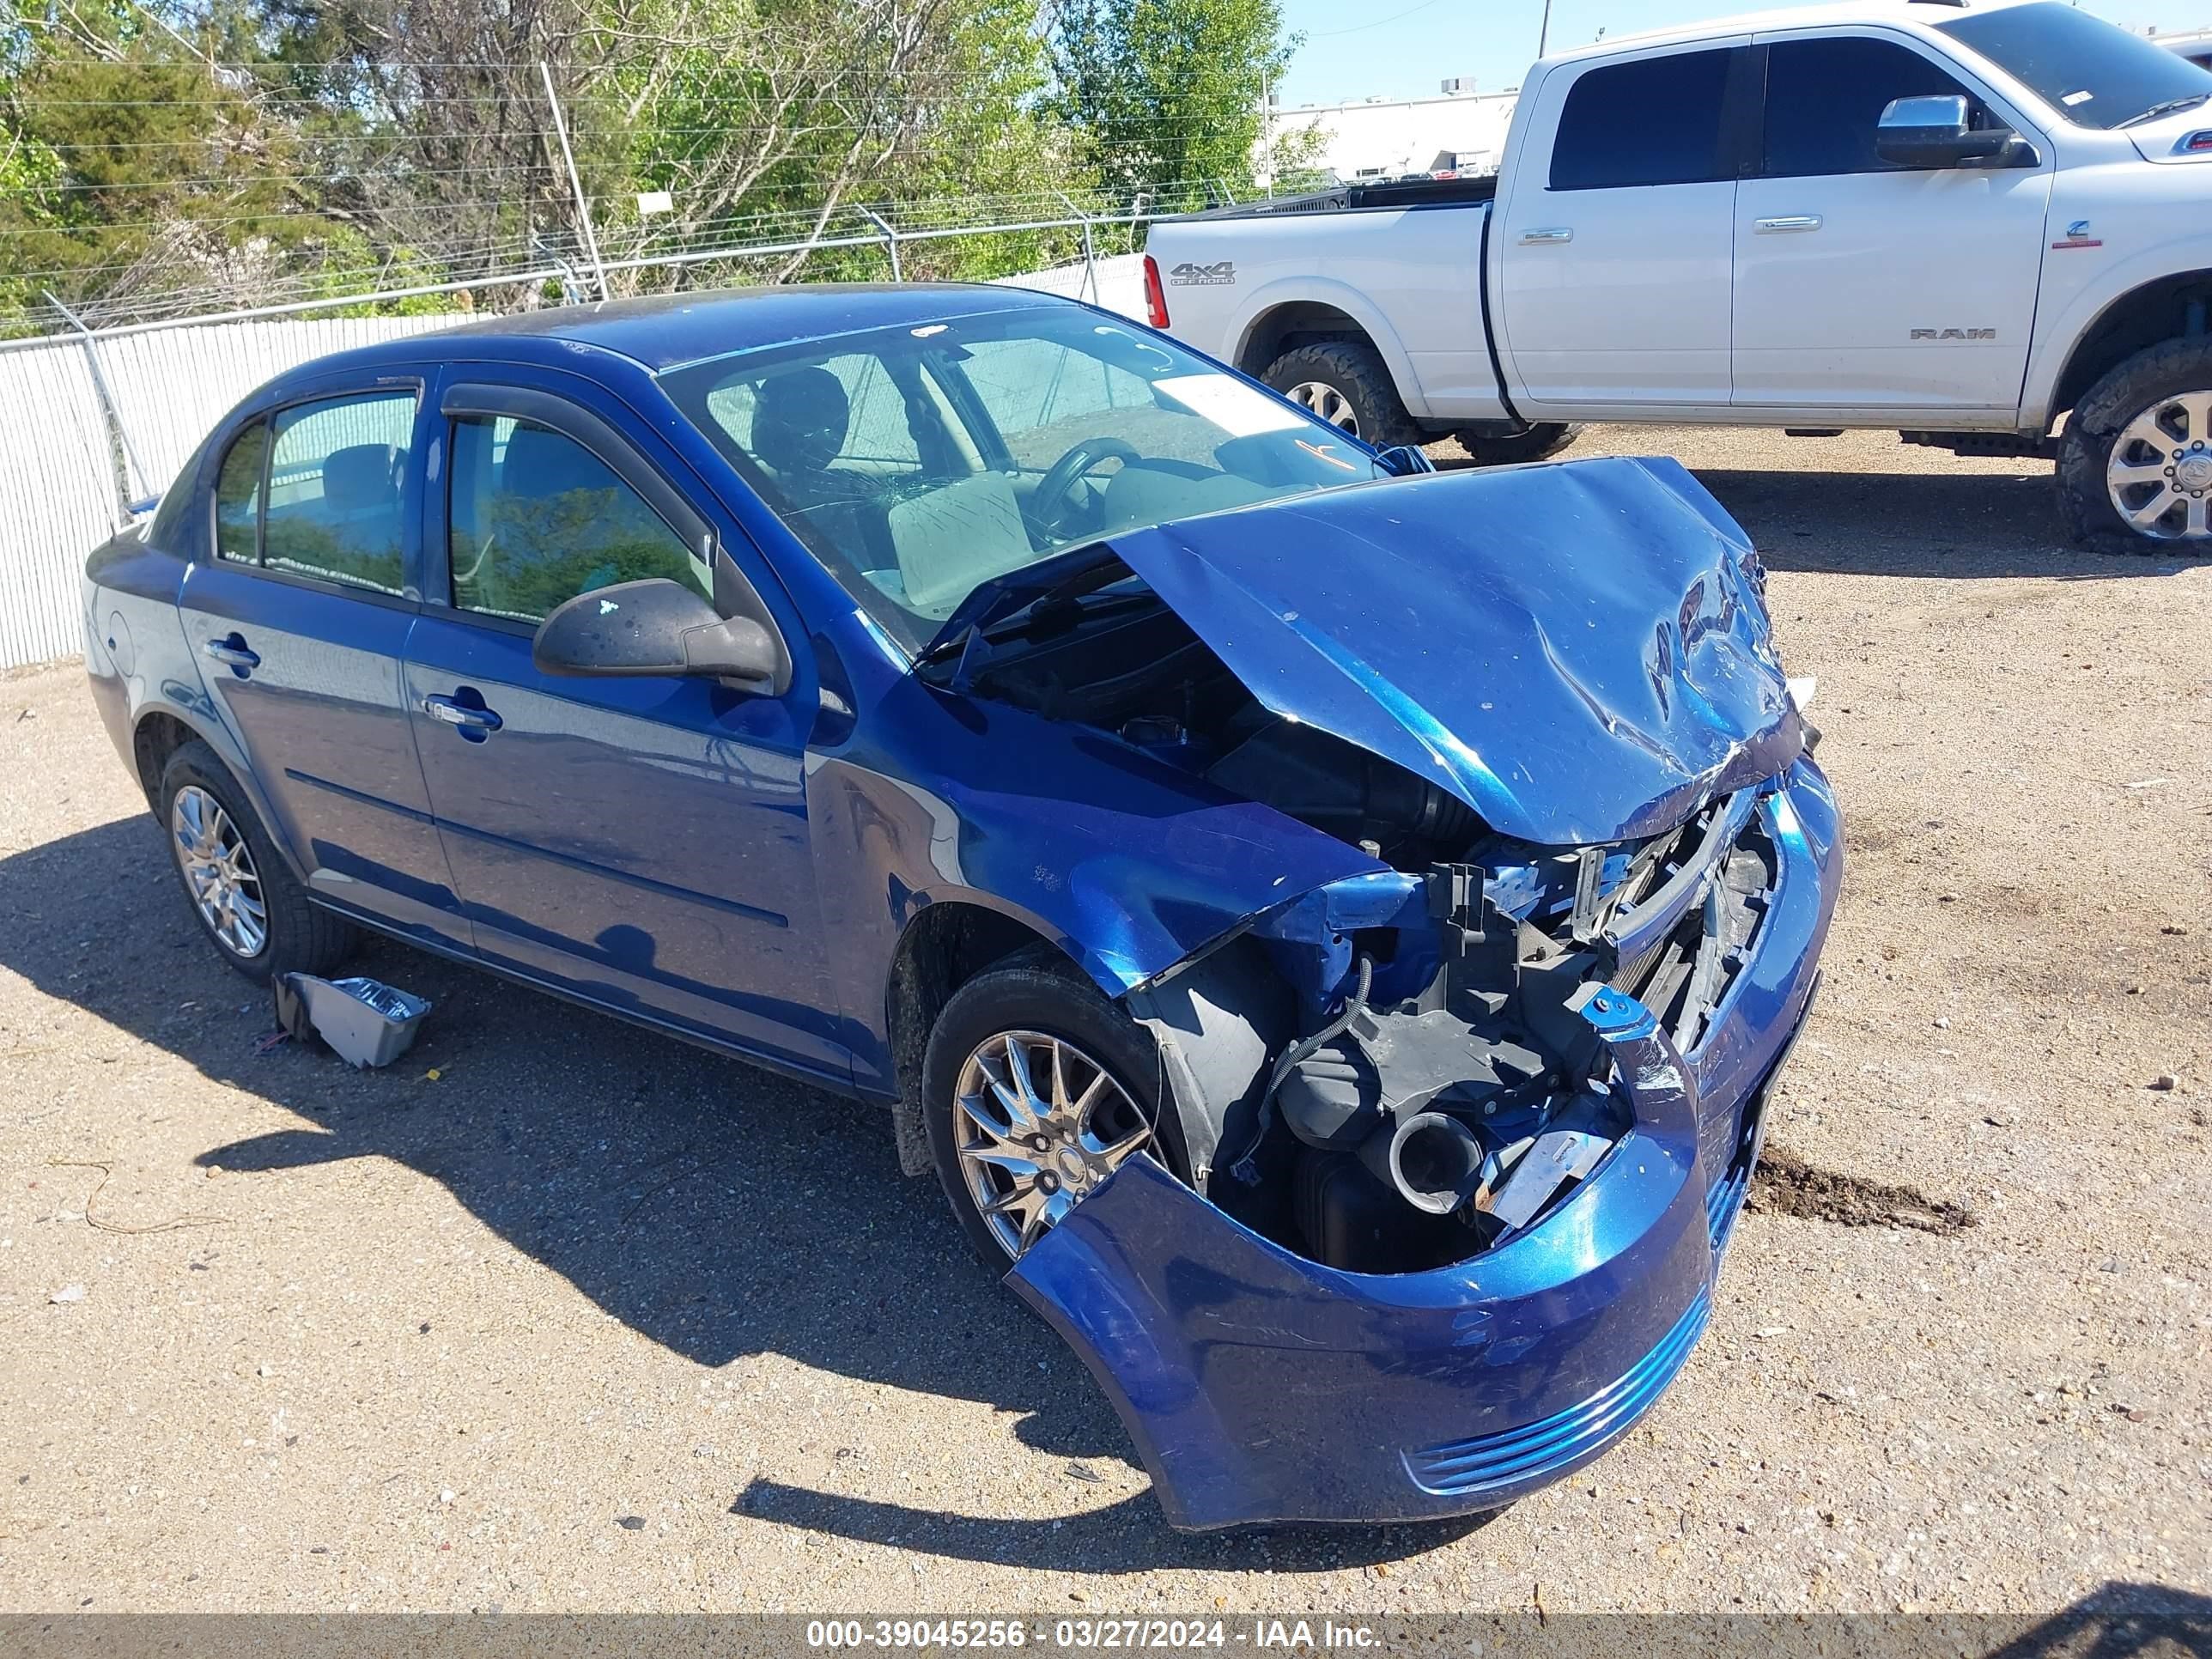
917,463
2093,73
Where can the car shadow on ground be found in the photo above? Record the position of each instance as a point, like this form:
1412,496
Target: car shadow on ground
1972,524
717,1209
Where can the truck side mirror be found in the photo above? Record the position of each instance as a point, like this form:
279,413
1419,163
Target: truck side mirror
1938,131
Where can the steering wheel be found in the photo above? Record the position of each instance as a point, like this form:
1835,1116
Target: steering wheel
1055,491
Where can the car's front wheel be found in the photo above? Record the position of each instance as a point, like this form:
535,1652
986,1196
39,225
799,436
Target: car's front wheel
1034,1090
243,894
2135,465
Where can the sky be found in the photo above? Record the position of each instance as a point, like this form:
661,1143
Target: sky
1404,48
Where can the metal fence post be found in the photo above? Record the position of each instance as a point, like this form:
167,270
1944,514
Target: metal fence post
1089,250
122,461
576,182
890,240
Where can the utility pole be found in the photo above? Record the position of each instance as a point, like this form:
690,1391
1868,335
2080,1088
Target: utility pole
583,207
1544,32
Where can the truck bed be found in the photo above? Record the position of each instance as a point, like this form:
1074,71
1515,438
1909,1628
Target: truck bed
1356,197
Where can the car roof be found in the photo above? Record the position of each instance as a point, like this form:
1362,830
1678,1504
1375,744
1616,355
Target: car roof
1920,14
666,331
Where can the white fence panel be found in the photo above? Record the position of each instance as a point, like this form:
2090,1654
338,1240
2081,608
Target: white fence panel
171,386
1121,283
57,498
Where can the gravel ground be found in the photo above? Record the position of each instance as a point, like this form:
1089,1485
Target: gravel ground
584,1319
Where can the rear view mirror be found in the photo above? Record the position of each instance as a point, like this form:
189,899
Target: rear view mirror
655,627
1938,131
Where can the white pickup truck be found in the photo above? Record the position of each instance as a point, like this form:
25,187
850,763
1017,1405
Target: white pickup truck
1975,223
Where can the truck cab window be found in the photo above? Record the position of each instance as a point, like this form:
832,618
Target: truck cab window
1825,98
1654,121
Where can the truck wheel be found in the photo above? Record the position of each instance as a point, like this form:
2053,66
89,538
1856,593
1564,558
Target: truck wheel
1035,1088
1536,443
243,894
1346,384
2135,465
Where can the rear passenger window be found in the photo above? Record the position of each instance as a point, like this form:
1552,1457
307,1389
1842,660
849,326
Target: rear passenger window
1825,98
333,508
535,519
238,496
1655,121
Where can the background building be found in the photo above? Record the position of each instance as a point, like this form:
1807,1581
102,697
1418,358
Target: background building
1381,137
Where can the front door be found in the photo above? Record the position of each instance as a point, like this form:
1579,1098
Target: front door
1861,285
300,623
1614,257
642,842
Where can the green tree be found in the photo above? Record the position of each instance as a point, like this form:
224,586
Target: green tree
1168,96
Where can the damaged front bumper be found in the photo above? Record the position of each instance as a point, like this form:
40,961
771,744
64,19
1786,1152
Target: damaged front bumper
1261,1387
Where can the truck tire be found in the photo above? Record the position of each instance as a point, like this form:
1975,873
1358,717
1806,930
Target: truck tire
1345,383
2143,436
1537,443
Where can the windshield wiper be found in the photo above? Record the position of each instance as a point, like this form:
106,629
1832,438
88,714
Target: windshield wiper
2171,107
1071,591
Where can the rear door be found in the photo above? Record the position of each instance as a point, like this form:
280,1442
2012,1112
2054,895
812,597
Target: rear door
300,621
642,842
1614,260
1861,285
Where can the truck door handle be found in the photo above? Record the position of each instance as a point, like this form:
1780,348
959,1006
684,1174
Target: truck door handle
477,723
231,651
1547,234
1788,222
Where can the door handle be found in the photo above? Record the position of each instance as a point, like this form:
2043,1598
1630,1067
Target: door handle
1788,222
471,722
1547,234
232,652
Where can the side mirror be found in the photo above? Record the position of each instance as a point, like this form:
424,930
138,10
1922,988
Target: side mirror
655,627
1404,460
1938,131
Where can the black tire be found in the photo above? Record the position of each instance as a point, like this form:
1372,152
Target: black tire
1355,371
2130,390
1539,442
300,936
1038,991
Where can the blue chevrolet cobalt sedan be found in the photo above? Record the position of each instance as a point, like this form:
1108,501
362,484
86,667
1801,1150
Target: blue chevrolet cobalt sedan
1331,928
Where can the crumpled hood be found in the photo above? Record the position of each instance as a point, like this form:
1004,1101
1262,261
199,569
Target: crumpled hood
1578,651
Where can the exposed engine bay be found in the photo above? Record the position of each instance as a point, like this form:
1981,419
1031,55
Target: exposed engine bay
1394,1073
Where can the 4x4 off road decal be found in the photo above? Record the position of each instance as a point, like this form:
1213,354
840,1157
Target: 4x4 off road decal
1190,274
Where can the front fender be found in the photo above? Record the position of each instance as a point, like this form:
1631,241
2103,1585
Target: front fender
1124,863
2081,312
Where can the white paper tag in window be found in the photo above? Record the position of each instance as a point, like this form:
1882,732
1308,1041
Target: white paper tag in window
1238,410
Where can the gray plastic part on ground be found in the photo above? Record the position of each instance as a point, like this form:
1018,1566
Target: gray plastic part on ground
365,1022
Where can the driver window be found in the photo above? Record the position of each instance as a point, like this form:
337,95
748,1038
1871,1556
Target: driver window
535,519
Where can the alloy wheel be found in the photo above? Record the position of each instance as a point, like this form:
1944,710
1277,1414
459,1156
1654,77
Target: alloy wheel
1039,1125
2160,473
219,872
1326,401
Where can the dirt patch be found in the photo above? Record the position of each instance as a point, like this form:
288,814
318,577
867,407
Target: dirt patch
1785,1184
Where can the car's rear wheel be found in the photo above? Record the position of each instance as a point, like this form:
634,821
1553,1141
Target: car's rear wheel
2135,465
1034,1090
1345,383
242,894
